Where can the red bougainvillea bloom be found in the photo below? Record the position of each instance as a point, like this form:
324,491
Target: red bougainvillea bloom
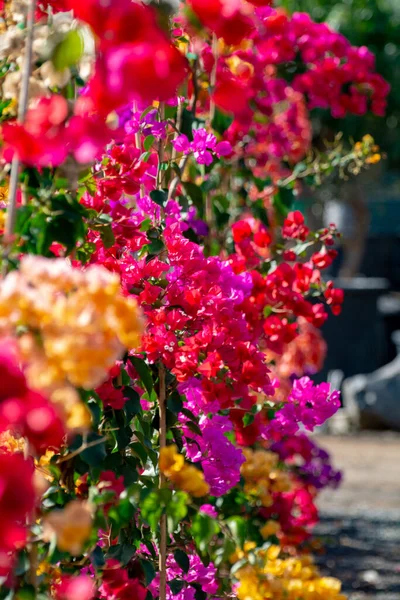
12,379
145,70
25,412
294,227
17,500
117,584
115,22
72,588
334,298
260,2
225,18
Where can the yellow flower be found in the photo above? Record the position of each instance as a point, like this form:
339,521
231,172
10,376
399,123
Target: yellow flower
270,528
185,477
78,322
191,480
76,414
263,476
72,526
171,462
9,443
374,159
273,577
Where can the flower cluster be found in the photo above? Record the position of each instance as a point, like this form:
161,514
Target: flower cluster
202,146
262,476
17,501
308,404
273,575
184,476
24,412
76,323
149,449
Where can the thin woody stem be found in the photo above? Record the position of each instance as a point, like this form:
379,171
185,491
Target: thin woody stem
163,520
213,78
22,107
32,546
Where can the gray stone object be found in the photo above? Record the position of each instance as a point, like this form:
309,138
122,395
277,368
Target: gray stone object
373,401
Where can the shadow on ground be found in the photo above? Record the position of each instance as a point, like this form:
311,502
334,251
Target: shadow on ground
360,522
364,552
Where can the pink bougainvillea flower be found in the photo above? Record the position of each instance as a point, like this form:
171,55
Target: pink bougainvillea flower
226,18
72,588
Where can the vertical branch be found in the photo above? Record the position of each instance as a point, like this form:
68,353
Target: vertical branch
213,77
160,150
138,144
209,213
22,106
32,546
163,520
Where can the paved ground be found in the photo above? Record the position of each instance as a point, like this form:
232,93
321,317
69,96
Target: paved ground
360,523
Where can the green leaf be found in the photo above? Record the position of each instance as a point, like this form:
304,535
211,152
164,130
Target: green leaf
152,510
144,372
238,527
203,530
221,121
26,593
122,553
69,51
182,560
177,509
195,193
155,247
148,142
200,594
95,455
176,585
107,236
248,419
144,157
97,557
132,406
139,451
149,571
174,403
187,123
159,197
194,428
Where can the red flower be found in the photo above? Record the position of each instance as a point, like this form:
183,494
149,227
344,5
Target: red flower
294,227
71,588
324,259
115,21
241,230
117,584
149,69
17,500
334,298
12,379
224,17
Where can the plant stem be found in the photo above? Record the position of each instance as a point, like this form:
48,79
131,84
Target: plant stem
32,546
138,144
213,78
22,107
163,520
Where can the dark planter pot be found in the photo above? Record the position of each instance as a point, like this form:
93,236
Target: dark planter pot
356,338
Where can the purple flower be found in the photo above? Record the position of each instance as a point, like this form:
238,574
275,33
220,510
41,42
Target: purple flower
209,510
182,144
223,149
308,404
203,146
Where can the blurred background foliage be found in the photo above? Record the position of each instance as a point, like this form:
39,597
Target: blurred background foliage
376,24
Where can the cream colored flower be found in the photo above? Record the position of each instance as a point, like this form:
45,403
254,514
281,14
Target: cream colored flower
71,526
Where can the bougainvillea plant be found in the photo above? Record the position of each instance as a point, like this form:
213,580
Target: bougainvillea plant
160,301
